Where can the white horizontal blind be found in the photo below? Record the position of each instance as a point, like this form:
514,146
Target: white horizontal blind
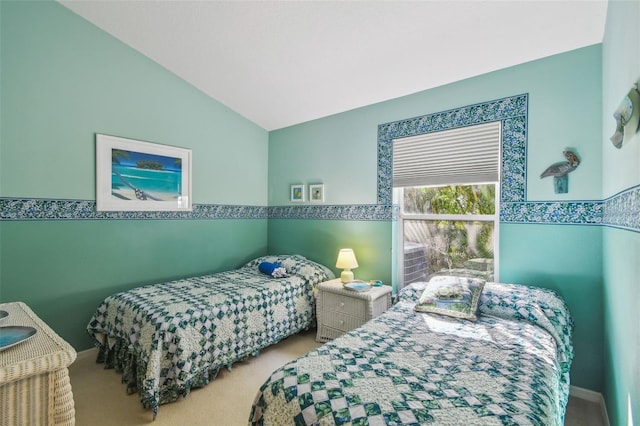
459,156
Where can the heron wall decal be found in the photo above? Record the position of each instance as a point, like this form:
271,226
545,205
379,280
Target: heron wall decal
560,171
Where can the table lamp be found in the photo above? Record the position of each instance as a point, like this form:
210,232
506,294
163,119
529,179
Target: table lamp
346,261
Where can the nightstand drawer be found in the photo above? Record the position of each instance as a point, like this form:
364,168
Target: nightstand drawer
343,322
345,305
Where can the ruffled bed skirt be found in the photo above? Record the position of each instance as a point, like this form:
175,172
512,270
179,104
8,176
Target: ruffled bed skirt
117,355
133,370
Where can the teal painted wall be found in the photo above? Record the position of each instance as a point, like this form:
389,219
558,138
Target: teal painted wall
621,322
567,259
320,240
564,111
621,250
63,269
62,81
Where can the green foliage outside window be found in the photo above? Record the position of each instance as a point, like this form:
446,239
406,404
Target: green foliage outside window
452,199
452,244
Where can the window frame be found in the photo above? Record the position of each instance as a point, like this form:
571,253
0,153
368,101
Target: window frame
398,196
512,112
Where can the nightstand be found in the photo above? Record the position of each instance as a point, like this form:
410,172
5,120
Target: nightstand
340,310
34,379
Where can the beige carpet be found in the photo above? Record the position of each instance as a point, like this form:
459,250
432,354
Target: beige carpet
101,398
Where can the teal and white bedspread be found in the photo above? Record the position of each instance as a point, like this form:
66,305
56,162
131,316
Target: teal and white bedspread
168,338
510,367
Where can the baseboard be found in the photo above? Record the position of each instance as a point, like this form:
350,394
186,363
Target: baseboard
591,396
89,353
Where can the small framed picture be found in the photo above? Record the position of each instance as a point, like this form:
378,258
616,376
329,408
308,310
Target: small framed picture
316,193
297,193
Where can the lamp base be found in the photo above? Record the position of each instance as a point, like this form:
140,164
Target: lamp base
346,276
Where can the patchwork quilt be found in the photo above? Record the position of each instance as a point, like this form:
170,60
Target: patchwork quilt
168,338
510,367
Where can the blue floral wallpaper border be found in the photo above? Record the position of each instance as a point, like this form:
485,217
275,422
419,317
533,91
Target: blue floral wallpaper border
620,211
553,212
384,212
511,112
623,210
56,209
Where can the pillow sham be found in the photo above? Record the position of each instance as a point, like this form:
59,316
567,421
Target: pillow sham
452,296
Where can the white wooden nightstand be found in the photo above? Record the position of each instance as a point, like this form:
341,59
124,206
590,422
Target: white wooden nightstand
340,310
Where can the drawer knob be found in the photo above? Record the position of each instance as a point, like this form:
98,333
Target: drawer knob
341,304
341,322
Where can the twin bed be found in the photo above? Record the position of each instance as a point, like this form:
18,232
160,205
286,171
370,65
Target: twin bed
168,338
509,366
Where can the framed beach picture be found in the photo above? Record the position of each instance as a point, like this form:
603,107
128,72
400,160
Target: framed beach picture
133,175
297,193
316,193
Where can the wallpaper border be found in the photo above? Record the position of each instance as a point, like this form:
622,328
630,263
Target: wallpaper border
57,209
25,209
622,211
510,111
362,212
553,212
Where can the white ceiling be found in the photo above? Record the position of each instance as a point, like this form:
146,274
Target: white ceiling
280,63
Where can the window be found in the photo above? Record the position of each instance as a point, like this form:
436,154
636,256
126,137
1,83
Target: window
447,187
448,229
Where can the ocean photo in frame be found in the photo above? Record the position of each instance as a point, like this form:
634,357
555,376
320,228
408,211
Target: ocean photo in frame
133,175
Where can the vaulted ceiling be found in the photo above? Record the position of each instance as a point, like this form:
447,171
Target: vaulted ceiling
280,63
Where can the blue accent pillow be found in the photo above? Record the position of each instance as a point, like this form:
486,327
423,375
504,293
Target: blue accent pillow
273,269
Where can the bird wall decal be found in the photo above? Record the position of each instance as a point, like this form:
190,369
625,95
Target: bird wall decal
561,169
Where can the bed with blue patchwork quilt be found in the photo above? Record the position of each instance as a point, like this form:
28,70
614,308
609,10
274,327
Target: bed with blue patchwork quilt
508,366
169,338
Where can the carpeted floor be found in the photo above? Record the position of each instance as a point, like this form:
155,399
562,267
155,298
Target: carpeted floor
101,399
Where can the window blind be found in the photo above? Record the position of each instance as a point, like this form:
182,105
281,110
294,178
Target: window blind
459,156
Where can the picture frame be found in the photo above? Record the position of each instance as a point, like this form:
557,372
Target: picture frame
133,175
297,193
316,193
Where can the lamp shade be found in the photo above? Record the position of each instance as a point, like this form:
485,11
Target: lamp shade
346,259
